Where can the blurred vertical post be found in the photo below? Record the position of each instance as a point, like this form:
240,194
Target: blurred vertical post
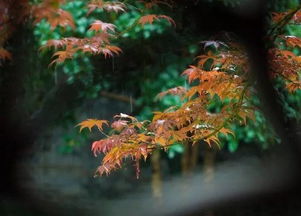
208,169
156,174
189,158
209,159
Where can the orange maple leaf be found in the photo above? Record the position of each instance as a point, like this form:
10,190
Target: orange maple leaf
292,41
119,125
192,72
50,11
53,43
212,139
99,25
110,50
150,18
89,123
293,86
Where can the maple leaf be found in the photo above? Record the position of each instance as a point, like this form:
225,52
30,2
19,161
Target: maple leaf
173,91
144,138
101,37
297,17
114,6
90,48
89,123
277,17
105,169
293,86
287,54
53,43
284,63
292,41
119,125
244,114
110,50
150,18
114,49
161,141
205,58
98,44
61,56
108,6
213,139
50,11
192,91
192,72
105,145
226,131
98,25
114,157
128,132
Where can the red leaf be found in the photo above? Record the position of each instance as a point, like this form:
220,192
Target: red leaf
98,25
152,17
105,145
193,73
89,123
54,43
110,50
50,11
119,124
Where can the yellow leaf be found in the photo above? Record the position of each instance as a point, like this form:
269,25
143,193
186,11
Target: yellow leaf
213,139
161,141
89,123
226,131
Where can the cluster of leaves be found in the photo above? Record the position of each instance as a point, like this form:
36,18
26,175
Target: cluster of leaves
289,40
53,13
212,76
103,32
284,62
42,84
168,78
221,72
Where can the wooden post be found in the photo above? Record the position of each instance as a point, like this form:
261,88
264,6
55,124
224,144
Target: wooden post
156,174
